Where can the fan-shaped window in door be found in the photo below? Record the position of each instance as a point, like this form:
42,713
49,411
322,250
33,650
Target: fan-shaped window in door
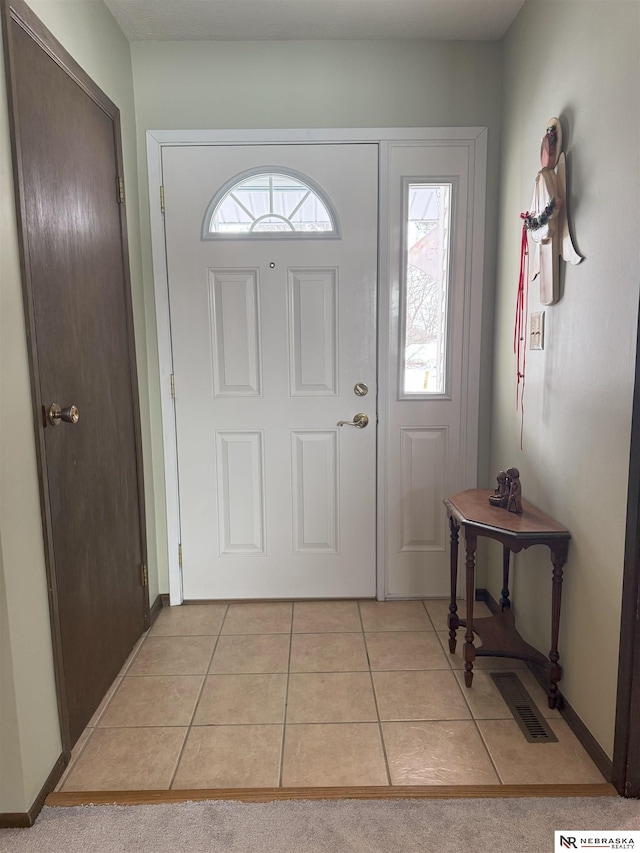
270,202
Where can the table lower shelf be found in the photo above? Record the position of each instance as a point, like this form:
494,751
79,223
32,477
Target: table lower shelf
500,638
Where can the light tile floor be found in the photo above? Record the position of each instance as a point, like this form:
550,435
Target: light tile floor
312,694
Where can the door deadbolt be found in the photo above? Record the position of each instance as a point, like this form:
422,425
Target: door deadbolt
56,415
361,389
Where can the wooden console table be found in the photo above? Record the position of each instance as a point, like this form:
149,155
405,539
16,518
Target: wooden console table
472,511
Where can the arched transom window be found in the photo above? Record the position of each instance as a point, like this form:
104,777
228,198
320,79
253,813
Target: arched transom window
272,203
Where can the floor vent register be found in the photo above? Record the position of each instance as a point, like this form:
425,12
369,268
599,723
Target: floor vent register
525,712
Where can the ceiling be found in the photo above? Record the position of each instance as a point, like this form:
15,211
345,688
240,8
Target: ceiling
235,20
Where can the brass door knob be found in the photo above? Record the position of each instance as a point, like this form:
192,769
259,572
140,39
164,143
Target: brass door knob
56,415
360,421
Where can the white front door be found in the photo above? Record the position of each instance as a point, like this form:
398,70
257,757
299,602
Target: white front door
274,339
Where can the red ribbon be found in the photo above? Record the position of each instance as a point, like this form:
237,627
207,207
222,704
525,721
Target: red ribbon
520,328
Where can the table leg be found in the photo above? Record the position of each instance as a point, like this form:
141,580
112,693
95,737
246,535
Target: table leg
506,558
558,558
454,622
469,648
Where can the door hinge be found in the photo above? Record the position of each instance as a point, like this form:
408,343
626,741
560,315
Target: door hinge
180,556
173,386
144,572
161,199
120,189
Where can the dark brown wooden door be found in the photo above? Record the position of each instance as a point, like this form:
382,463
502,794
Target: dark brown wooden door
77,298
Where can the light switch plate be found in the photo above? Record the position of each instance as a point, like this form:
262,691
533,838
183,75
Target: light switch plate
536,330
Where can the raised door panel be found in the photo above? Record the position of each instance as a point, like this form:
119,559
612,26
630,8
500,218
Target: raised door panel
240,469
234,307
314,463
422,454
313,332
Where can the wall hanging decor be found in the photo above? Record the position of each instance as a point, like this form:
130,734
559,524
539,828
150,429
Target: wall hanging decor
546,224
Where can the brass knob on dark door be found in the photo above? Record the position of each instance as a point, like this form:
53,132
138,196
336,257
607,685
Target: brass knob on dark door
56,415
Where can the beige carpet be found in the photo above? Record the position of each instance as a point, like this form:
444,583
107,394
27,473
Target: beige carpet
399,826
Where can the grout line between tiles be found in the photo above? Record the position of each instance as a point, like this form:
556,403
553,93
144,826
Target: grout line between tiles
473,716
155,726
373,722
321,723
428,630
430,669
90,729
184,635
254,633
133,654
323,633
286,701
375,700
463,690
486,746
168,674
424,604
307,723
119,679
195,707
73,761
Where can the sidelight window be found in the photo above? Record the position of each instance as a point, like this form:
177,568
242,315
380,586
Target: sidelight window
425,289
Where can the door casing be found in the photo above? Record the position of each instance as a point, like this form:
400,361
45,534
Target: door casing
475,139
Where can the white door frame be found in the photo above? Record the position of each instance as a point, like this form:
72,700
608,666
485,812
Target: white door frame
475,140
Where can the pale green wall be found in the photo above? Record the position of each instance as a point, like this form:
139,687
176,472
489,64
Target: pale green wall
12,797
578,60
194,85
29,730
347,84
582,63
